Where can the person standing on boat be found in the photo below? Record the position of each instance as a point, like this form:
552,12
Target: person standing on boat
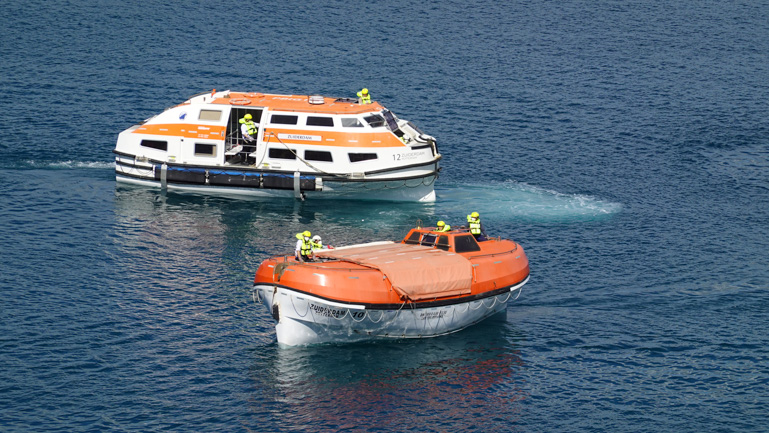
303,250
443,227
475,226
364,97
249,129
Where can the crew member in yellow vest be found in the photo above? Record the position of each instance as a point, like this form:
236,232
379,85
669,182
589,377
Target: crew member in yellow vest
475,226
317,243
249,130
303,250
443,227
364,97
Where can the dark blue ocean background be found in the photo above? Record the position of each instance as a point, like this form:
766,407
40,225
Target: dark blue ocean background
624,144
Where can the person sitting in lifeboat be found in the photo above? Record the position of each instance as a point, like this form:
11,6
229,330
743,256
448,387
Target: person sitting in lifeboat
442,227
317,244
303,250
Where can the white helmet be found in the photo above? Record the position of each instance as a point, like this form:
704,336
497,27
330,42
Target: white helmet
316,238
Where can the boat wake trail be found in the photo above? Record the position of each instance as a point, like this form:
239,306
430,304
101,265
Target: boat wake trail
505,200
58,165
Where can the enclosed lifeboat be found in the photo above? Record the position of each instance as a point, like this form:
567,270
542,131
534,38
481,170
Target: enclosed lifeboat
430,283
307,146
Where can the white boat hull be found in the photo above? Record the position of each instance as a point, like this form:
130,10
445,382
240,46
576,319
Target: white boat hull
409,190
304,319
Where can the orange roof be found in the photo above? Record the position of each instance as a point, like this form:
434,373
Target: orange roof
297,103
415,271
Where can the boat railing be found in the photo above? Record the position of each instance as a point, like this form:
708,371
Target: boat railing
515,248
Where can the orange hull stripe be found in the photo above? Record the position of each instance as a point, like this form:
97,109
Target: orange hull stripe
332,138
210,132
288,136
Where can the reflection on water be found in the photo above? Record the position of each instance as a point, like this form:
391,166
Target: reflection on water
268,225
264,225
353,385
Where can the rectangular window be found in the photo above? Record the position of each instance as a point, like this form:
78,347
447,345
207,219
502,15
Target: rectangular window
203,149
155,144
351,122
443,243
428,239
317,155
357,157
283,119
282,154
464,244
414,238
210,115
319,121
375,120
391,122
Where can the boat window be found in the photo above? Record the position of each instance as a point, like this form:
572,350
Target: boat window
375,120
319,121
465,244
390,118
203,149
282,154
283,119
357,157
210,115
155,144
443,243
428,239
413,239
317,155
351,122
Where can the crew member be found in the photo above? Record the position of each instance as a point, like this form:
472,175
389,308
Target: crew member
443,227
475,226
317,243
303,250
250,130
364,97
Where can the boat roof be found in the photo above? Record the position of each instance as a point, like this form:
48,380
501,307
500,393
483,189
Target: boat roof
301,103
416,272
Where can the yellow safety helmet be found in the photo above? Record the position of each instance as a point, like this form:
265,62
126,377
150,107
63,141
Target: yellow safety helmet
248,116
441,224
474,215
307,234
364,91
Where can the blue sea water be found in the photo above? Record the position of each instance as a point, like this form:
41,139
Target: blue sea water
625,145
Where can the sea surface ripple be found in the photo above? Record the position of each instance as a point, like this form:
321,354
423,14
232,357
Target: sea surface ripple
623,144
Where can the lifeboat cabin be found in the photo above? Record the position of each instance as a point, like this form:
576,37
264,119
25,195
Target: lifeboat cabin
302,146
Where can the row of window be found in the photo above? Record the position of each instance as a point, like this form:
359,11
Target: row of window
462,244
317,155
373,120
203,149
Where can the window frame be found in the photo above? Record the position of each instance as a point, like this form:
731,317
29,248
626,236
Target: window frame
211,145
154,144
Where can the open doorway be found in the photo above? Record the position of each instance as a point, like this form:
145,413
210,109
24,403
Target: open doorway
237,149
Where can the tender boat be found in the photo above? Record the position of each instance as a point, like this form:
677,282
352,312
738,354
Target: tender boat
307,146
430,283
